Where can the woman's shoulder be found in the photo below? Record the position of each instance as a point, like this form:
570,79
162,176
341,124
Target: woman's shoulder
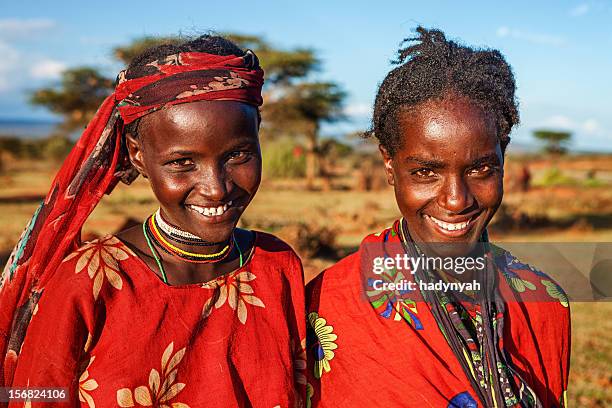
107,250
528,280
273,246
86,269
271,251
344,280
351,264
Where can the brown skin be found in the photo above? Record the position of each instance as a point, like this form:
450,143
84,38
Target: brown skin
203,153
449,166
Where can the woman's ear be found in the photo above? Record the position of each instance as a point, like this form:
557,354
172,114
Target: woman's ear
388,160
135,152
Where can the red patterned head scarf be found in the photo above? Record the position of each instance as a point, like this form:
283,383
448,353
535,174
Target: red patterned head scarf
95,165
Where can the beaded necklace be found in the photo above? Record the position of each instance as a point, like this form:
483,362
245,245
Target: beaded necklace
158,259
177,234
152,229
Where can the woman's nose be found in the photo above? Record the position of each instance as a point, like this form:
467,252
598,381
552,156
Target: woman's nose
213,183
456,195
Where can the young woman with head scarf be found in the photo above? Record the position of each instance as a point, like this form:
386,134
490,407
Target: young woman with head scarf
186,309
385,330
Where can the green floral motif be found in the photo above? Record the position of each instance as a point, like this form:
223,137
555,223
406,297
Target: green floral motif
517,283
322,339
520,285
556,292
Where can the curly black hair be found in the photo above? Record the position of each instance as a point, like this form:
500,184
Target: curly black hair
208,43
431,67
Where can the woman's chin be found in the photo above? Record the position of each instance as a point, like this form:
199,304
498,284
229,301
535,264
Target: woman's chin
448,243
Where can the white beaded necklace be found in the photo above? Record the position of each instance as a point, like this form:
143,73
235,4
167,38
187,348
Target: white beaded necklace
171,230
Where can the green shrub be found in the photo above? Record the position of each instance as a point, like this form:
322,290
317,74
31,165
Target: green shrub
56,147
283,158
21,148
554,177
593,182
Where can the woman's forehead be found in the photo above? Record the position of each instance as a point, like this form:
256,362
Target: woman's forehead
186,114
441,119
213,123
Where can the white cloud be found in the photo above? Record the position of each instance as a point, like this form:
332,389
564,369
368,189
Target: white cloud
358,109
8,64
47,69
579,10
560,122
535,38
16,27
13,65
589,126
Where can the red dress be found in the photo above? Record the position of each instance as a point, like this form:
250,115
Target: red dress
111,331
370,348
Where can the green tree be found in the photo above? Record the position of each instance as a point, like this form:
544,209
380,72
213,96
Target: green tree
282,67
555,142
302,108
77,97
295,105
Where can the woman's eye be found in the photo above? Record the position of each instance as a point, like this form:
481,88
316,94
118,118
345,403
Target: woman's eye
181,162
238,156
481,170
424,173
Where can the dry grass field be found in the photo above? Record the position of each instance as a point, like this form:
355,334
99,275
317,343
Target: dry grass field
326,225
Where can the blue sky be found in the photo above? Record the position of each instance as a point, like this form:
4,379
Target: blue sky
560,50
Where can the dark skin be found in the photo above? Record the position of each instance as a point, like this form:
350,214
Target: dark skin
203,154
448,169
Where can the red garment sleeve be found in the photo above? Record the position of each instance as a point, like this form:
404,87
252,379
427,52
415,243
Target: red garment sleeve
54,350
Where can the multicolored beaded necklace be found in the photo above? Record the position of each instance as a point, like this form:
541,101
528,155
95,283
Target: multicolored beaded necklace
157,230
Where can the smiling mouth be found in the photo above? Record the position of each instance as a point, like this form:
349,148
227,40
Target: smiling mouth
211,211
454,229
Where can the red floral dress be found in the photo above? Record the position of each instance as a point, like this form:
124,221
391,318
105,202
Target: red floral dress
108,329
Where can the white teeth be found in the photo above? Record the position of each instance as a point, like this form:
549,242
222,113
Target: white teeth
450,226
211,211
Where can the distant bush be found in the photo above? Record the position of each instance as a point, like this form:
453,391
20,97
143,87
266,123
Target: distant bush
555,177
21,148
335,149
53,147
310,240
56,147
283,158
594,182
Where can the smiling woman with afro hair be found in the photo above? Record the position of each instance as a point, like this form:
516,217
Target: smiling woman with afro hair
470,325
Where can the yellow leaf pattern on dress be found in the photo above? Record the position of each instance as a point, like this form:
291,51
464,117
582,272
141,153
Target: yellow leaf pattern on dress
234,290
86,385
100,258
162,386
124,398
